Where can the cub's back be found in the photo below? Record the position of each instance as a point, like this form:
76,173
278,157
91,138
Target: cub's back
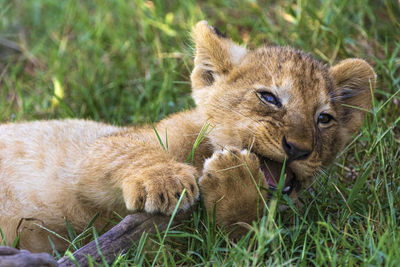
37,163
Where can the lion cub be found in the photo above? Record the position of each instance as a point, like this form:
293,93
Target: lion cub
265,106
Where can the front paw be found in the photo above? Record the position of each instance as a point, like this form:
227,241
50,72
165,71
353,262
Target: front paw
233,185
159,188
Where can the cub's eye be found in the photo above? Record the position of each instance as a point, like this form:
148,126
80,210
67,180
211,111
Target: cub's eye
269,98
324,118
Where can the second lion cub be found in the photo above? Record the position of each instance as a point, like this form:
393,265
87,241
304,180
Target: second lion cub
265,106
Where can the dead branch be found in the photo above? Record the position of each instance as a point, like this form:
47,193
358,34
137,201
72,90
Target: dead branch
117,240
121,237
11,257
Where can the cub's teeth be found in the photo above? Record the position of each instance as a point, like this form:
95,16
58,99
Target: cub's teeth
286,189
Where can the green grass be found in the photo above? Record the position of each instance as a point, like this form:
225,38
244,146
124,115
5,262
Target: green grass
128,62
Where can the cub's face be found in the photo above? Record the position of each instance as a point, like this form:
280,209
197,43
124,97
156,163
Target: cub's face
279,102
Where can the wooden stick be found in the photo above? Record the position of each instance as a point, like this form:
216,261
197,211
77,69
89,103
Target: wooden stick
120,237
117,240
12,257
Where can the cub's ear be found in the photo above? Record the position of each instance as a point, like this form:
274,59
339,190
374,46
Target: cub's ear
215,55
354,81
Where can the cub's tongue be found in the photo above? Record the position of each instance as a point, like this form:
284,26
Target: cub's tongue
272,171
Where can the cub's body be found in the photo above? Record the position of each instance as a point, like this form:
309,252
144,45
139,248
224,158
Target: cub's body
263,107
40,172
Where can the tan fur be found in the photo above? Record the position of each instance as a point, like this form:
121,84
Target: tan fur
52,171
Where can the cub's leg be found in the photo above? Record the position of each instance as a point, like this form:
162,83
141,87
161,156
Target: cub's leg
36,238
126,172
233,186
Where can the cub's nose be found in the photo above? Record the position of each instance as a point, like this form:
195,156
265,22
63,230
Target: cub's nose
293,151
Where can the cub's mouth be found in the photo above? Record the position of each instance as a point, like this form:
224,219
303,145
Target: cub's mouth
272,172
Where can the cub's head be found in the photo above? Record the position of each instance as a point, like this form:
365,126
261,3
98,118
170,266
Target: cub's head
279,102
